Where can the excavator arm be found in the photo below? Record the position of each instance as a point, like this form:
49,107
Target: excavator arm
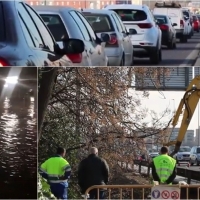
187,106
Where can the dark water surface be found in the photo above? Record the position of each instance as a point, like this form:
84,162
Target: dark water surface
18,149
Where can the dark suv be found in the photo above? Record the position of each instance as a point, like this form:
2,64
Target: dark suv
26,41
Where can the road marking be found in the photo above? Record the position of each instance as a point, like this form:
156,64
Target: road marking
193,55
165,194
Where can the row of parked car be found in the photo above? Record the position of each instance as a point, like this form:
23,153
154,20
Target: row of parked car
63,36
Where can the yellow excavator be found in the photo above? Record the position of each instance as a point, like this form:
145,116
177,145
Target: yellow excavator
186,107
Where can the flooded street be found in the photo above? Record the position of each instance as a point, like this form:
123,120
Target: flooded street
18,146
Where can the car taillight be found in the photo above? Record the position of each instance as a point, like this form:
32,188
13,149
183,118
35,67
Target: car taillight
113,42
75,58
145,25
3,63
181,23
164,27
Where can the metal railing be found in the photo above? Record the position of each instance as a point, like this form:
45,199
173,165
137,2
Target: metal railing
131,188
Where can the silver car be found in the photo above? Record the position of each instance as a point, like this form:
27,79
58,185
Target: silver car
119,49
195,155
70,23
183,154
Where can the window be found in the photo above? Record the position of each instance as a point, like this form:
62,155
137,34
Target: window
2,24
122,25
56,26
81,26
117,23
131,15
161,19
186,13
48,40
31,26
198,150
100,23
27,34
89,28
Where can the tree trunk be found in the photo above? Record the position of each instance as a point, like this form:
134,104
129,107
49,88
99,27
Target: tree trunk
46,84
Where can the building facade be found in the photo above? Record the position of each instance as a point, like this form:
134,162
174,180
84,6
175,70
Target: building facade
197,137
78,4
188,139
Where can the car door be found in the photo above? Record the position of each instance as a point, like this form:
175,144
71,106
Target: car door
42,42
128,48
98,55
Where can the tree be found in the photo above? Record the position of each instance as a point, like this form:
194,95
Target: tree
94,107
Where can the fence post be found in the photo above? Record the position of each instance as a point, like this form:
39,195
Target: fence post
189,176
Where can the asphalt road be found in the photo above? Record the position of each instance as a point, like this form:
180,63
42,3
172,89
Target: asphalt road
184,55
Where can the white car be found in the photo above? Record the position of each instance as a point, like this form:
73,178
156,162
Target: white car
145,33
176,14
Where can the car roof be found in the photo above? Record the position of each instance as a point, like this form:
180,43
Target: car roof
126,6
98,11
53,8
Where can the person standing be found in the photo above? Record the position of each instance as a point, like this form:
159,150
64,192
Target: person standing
164,167
93,170
57,172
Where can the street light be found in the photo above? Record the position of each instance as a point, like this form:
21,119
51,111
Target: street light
11,80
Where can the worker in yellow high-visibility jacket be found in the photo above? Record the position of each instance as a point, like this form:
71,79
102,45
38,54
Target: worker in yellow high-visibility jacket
57,171
164,167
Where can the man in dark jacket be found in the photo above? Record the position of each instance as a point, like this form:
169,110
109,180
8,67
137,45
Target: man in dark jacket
93,170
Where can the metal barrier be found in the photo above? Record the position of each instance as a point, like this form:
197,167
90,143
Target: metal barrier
134,187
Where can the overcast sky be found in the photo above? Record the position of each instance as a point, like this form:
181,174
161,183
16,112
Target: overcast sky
158,102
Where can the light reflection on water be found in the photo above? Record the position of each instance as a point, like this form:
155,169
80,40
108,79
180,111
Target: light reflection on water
18,149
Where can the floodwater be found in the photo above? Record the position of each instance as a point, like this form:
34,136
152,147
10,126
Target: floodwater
18,149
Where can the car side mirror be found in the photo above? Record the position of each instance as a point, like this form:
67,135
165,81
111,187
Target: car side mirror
132,31
105,37
174,24
73,46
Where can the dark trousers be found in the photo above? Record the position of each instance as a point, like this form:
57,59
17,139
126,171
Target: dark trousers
94,194
60,192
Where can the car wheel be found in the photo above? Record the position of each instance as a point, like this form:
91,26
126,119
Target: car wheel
184,39
174,45
132,62
122,61
170,45
155,56
196,162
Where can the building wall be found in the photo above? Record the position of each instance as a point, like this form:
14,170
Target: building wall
188,139
78,4
197,137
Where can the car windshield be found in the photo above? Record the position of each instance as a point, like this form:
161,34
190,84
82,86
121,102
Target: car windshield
161,19
184,149
131,15
100,23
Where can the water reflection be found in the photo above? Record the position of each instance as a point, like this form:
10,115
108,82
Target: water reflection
18,149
